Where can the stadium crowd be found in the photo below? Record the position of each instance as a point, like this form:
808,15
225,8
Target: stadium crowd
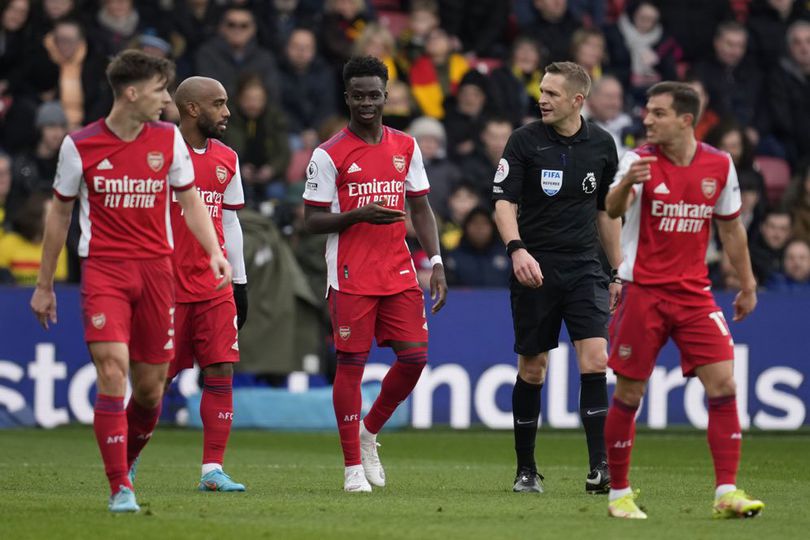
463,75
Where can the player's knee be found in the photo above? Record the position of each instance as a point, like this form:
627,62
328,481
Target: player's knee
148,395
111,374
223,369
594,363
725,386
629,394
533,369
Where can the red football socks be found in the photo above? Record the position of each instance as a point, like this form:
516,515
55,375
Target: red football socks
396,386
142,422
216,411
347,401
620,431
724,438
110,426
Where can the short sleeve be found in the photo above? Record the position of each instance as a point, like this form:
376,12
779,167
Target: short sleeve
321,179
416,181
181,172
234,196
608,173
508,182
69,172
729,202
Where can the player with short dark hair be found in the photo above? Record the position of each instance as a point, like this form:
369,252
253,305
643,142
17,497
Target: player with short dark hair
668,191
121,168
549,192
357,183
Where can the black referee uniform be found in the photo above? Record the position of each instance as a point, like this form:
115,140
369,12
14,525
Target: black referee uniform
559,184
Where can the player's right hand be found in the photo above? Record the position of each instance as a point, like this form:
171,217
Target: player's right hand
639,171
378,214
527,269
43,304
221,269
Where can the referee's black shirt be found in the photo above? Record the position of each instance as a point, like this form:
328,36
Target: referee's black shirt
558,183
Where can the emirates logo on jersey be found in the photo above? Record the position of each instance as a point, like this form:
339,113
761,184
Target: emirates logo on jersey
708,186
222,174
155,160
399,163
98,320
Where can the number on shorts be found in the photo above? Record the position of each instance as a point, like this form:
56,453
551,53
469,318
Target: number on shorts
720,321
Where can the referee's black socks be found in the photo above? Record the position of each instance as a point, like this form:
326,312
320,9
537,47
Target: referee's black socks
593,408
525,412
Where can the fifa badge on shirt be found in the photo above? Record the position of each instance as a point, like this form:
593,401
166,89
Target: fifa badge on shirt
589,183
399,163
551,181
155,160
222,174
709,186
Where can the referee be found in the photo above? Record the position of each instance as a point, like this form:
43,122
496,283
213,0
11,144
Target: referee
549,193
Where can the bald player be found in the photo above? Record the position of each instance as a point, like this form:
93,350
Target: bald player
207,320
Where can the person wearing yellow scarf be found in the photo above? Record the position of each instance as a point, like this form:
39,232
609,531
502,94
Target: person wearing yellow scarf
67,48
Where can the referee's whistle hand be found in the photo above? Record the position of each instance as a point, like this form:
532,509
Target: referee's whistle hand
527,269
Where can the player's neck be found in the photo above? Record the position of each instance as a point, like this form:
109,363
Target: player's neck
680,151
193,137
371,134
123,124
569,126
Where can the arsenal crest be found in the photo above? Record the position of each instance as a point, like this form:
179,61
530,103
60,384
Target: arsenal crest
709,186
98,320
399,163
344,332
155,160
222,174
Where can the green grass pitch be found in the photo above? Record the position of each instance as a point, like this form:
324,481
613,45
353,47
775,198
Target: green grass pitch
442,484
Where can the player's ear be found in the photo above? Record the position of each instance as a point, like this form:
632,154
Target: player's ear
130,93
346,97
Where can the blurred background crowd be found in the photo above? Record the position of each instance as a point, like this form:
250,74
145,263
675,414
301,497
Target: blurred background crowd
463,75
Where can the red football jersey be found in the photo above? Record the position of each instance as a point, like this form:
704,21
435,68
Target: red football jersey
346,173
123,187
666,229
217,178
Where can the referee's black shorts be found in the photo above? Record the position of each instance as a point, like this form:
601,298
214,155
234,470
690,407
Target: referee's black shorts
575,290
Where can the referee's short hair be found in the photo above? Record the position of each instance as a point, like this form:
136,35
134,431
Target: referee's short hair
576,78
685,99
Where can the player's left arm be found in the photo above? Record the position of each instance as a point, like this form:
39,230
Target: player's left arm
232,231
610,228
424,224
735,242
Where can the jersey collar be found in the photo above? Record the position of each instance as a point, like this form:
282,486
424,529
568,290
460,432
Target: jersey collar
583,134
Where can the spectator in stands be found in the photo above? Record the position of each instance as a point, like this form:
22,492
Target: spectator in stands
479,168
399,110
605,107
707,117
375,40
730,138
234,51
480,259
257,130
117,22
5,188
768,25
82,85
734,84
797,201
693,23
479,26
516,85
281,18
553,26
641,53
14,36
343,22
436,74
588,50
423,17
463,198
193,23
444,175
768,246
789,95
796,274
21,248
464,117
307,88
49,12
33,171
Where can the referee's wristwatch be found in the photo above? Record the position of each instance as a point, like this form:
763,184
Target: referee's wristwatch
614,276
